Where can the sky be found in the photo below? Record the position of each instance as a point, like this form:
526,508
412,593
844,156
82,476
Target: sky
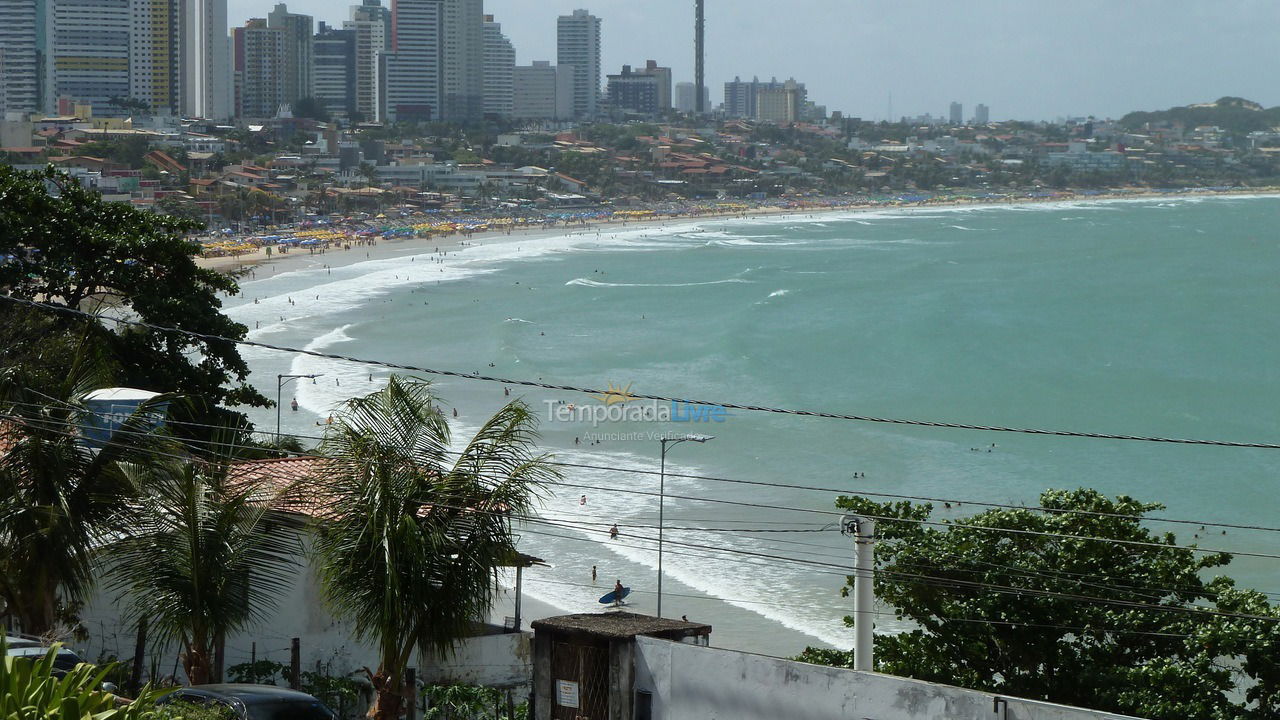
1025,59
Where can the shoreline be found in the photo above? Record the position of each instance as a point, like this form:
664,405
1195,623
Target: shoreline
739,625
247,262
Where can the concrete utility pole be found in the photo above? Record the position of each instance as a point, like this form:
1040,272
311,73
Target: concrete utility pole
699,51
864,597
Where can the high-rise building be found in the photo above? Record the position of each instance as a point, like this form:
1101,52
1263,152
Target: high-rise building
299,43
740,98
687,97
463,55
663,75
412,70
258,56
578,45
786,99
499,70
981,114
155,55
780,102
206,60
90,53
23,52
371,23
635,92
957,113
333,78
543,91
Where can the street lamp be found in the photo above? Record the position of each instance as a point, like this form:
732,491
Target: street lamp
662,494
281,381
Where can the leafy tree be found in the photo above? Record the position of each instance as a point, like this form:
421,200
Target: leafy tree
1078,620
131,104
309,107
128,151
181,207
258,672
59,498
409,543
69,247
228,555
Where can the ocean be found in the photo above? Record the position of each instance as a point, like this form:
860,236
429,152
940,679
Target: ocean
1146,317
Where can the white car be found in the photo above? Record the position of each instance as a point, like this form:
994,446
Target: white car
32,647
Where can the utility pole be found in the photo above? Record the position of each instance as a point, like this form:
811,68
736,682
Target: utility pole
699,51
864,597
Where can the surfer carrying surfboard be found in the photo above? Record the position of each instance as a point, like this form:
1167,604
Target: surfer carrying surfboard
618,591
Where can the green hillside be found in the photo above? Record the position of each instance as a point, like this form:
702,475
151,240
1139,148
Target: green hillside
1229,113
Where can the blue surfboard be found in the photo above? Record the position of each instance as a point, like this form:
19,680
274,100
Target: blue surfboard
614,597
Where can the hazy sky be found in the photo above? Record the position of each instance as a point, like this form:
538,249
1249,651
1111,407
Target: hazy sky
1026,59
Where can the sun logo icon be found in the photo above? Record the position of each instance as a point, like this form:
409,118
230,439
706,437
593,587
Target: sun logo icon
615,395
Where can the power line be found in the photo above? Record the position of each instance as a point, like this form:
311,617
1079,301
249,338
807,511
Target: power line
758,483
782,486
955,583
885,518
644,396
937,581
879,613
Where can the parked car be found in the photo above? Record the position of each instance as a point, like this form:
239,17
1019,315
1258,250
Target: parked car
255,702
33,647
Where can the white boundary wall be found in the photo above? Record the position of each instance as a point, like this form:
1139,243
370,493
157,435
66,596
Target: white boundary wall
697,683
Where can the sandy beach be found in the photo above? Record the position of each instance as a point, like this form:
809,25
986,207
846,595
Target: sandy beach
271,258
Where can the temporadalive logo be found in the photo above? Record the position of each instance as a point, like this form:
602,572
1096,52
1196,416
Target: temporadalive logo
618,404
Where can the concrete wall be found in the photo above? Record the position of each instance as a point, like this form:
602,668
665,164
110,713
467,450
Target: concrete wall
503,660
326,641
300,612
698,683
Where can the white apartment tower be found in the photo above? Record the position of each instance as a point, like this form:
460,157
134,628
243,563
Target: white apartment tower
90,53
499,70
22,57
463,60
957,114
299,44
543,91
372,25
155,55
578,46
259,69
411,70
206,60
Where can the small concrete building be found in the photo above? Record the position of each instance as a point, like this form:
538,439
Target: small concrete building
584,665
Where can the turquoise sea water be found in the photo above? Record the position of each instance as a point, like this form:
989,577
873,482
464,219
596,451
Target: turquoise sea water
1151,317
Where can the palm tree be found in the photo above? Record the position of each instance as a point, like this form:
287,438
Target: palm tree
207,556
409,544
60,497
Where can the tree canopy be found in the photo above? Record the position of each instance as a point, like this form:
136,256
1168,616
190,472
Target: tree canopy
408,541
61,243
1046,605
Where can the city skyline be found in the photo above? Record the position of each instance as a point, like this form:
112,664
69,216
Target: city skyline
1024,62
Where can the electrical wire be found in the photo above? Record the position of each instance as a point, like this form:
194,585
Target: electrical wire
808,488
881,518
939,581
644,396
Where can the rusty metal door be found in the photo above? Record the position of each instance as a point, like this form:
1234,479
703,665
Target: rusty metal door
585,671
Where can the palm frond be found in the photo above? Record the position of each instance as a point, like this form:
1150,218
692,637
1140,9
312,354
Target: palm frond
408,546
206,556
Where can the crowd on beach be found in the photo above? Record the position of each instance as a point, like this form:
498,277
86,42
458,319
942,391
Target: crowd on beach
317,233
